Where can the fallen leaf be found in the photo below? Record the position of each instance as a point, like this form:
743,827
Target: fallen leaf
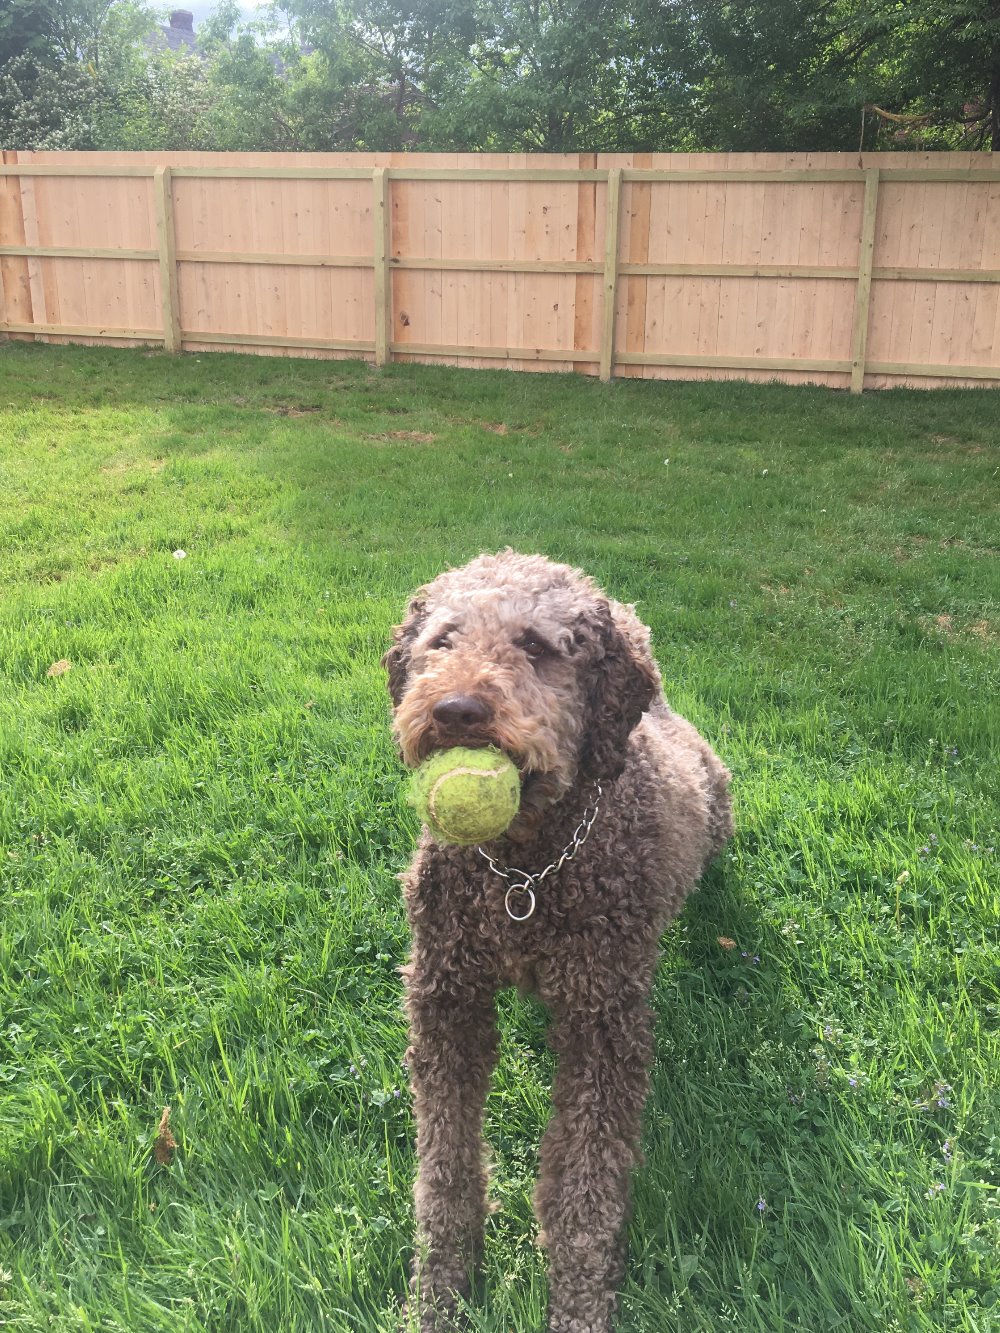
163,1148
59,668
726,942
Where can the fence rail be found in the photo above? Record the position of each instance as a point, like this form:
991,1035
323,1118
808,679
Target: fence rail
859,272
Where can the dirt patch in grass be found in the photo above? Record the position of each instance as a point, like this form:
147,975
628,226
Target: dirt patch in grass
984,630
123,465
276,409
945,624
952,442
291,410
969,548
404,436
498,427
915,545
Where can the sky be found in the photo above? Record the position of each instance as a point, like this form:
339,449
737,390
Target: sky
202,8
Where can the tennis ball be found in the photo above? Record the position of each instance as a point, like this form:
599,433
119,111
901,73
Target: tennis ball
466,796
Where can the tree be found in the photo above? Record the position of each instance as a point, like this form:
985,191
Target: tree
248,68
100,79
514,75
384,66
54,32
548,75
756,73
935,62
25,29
797,74
70,56
45,106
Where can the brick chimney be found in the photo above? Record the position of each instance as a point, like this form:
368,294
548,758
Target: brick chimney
182,20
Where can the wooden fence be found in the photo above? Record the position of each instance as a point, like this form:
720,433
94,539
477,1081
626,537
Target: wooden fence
852,271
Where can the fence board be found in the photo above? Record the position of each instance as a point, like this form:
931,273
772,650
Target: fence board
33,237
633,295
15,293
724,265
584,250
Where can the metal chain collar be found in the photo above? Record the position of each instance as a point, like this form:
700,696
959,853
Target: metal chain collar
524,881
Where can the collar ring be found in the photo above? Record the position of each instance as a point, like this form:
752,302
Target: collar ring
521,889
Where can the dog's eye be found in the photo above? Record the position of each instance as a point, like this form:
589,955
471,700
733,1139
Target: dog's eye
440,641
534,647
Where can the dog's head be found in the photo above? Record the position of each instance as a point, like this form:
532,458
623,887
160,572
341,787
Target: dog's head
527,655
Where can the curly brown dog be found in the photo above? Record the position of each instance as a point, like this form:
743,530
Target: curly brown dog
520,653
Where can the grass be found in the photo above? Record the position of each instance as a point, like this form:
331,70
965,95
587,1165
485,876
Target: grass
200,824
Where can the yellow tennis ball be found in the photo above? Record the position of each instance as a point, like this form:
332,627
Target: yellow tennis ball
466,796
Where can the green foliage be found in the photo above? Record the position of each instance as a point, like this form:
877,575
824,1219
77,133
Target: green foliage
567,75
758,77
797,73
46,105
63,64
202,819
102,77
551,75
247,69
24,29
938,61
506,75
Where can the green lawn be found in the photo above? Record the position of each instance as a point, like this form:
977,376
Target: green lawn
201,820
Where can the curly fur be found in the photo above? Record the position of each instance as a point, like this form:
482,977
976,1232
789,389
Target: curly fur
565,682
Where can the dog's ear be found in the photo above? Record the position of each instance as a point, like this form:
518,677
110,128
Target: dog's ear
624,680
397,660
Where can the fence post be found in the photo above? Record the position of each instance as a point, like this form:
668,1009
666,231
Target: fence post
163,200
862,296
610,273
382,220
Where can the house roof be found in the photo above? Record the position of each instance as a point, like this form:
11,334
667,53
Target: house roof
179,32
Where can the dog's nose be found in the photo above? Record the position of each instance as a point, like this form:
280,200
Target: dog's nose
462,710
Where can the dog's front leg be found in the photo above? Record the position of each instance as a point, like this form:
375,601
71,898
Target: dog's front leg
452,1053
592,1142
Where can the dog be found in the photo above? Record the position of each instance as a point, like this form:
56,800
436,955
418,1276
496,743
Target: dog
623,805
